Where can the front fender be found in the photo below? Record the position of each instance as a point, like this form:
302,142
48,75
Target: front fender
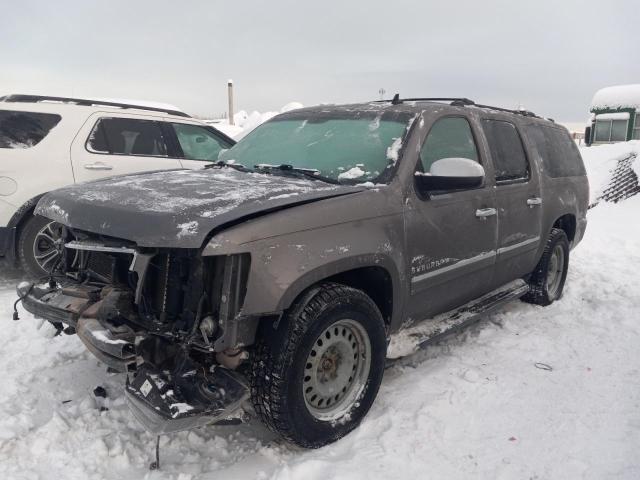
282,267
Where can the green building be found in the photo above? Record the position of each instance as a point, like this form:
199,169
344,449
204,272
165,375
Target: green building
615,115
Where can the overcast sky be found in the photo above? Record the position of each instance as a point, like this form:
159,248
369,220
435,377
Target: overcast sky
548,55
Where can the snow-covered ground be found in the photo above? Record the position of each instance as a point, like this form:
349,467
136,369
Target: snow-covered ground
475,406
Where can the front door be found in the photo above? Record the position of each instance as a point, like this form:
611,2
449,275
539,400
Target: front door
451,236
197,145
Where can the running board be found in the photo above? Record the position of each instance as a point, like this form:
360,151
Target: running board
411,339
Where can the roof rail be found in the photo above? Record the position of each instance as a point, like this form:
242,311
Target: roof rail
87,102
456,102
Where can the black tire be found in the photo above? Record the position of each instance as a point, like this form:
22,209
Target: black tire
26,248
541,292
279,367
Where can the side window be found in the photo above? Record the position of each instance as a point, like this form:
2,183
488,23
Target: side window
559,153
509,160
127,136
449,137
25,129
198,143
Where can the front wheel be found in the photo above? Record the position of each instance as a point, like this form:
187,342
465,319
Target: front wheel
39,246
315,376
547,280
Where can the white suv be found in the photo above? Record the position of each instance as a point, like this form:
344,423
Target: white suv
50,142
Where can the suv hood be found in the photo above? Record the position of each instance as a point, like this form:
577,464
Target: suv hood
178,208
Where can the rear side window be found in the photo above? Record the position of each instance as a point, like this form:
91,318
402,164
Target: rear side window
127,136
450,137
198,143
25,129
559,153
509,160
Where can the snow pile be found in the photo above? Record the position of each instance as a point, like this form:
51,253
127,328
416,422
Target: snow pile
244,121
619,96
479,405
601,160
352,173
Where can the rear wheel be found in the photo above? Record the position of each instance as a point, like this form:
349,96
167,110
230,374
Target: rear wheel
547,280
39,245
315,376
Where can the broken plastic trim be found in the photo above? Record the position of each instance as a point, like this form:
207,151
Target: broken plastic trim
158,403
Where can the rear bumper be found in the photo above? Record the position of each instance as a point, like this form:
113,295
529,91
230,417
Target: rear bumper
7,242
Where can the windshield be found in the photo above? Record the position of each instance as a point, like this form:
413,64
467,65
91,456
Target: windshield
350,147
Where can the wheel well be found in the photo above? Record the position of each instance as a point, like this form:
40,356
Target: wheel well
568,224
19,218
375,282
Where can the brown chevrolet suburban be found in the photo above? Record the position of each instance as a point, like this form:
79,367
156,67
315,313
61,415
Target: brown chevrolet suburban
272,281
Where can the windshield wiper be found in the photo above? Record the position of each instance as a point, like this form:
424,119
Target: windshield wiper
285,168
222,163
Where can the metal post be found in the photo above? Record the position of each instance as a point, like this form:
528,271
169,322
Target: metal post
230,91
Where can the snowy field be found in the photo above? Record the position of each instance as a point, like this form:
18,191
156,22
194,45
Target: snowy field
475,406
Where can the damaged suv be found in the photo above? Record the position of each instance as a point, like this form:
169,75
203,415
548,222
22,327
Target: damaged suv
273,281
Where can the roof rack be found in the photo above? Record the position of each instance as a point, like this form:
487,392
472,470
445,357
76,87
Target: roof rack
87,102
456,102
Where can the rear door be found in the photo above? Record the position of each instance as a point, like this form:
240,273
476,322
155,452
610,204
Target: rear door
108,145
451,236
518,199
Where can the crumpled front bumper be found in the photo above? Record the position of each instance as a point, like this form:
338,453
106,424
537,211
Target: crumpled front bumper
75,306
161,401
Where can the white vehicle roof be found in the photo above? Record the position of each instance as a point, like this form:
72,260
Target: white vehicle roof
70,106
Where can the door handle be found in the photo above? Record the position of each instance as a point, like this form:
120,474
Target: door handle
98,166
485,212
532,202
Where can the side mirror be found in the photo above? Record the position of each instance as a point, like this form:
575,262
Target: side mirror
451,174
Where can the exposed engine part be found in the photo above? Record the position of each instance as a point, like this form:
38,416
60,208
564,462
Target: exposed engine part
232,358
208,326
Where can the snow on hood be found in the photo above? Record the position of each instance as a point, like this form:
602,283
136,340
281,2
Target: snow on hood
619,96
177,208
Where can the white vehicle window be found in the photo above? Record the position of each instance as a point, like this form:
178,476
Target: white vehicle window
127,136
25,129
198,143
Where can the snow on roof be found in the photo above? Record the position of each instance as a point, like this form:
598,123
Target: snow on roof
619,96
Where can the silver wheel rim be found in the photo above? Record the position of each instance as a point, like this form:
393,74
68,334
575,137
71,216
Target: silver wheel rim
46,246
555,270
336,370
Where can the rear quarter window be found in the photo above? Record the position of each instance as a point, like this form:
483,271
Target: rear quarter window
559,153
25,129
